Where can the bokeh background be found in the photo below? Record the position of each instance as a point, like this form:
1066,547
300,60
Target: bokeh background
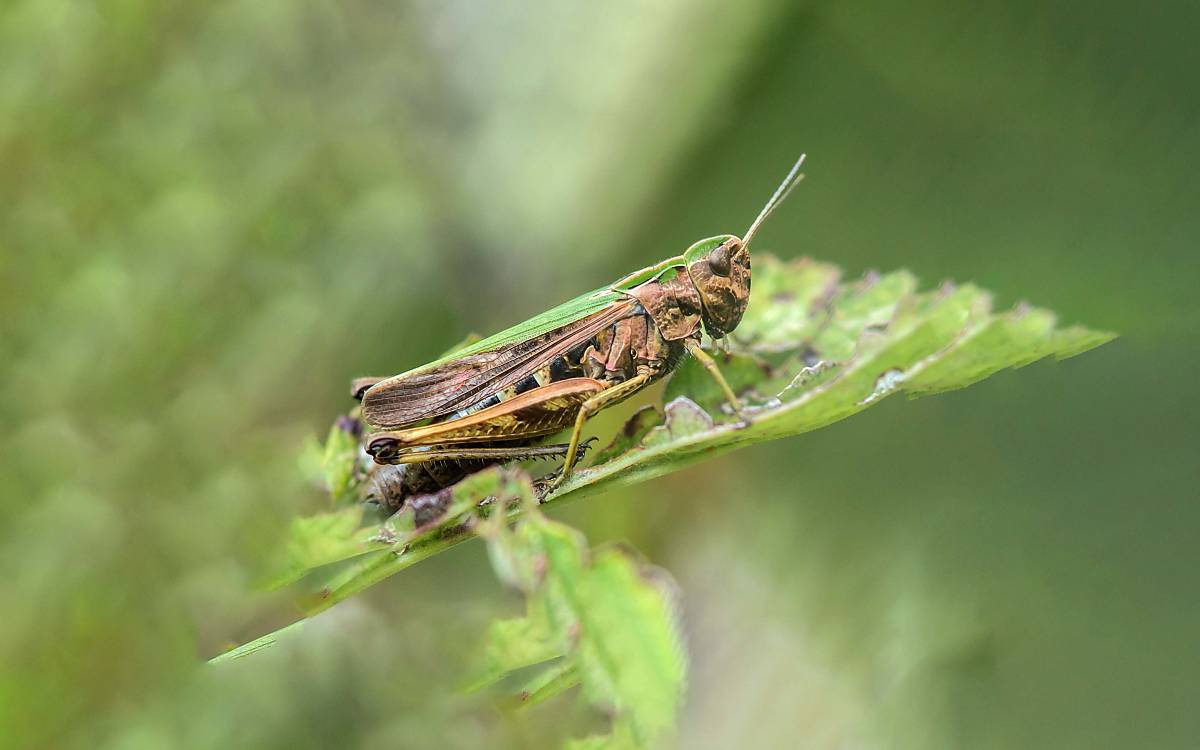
213,215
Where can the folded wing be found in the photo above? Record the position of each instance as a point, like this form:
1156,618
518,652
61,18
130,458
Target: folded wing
460,381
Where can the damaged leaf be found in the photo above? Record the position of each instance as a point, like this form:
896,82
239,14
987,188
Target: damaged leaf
609,620
867,340
811,350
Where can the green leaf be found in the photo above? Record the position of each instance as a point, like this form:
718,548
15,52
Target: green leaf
262,642
321,540
333,466
860,343
811,350
516,644
611,617
550,682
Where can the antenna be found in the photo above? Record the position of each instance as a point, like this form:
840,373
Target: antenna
781,193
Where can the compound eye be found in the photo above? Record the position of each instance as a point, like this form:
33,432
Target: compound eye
718,260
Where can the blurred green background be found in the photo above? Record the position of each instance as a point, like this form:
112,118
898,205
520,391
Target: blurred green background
213,215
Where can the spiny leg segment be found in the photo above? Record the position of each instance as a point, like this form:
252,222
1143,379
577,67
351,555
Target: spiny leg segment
590,407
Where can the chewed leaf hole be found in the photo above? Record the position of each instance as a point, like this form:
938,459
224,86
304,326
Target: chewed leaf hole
885,384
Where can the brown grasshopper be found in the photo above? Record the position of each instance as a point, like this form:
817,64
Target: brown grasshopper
489,402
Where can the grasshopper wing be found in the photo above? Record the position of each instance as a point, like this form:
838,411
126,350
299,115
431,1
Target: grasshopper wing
467,376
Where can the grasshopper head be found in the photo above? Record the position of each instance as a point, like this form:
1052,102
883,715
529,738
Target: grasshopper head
722,277
722,274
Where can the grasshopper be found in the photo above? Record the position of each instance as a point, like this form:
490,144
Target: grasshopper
490,401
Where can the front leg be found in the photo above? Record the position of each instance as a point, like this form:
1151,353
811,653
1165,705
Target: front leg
709,364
